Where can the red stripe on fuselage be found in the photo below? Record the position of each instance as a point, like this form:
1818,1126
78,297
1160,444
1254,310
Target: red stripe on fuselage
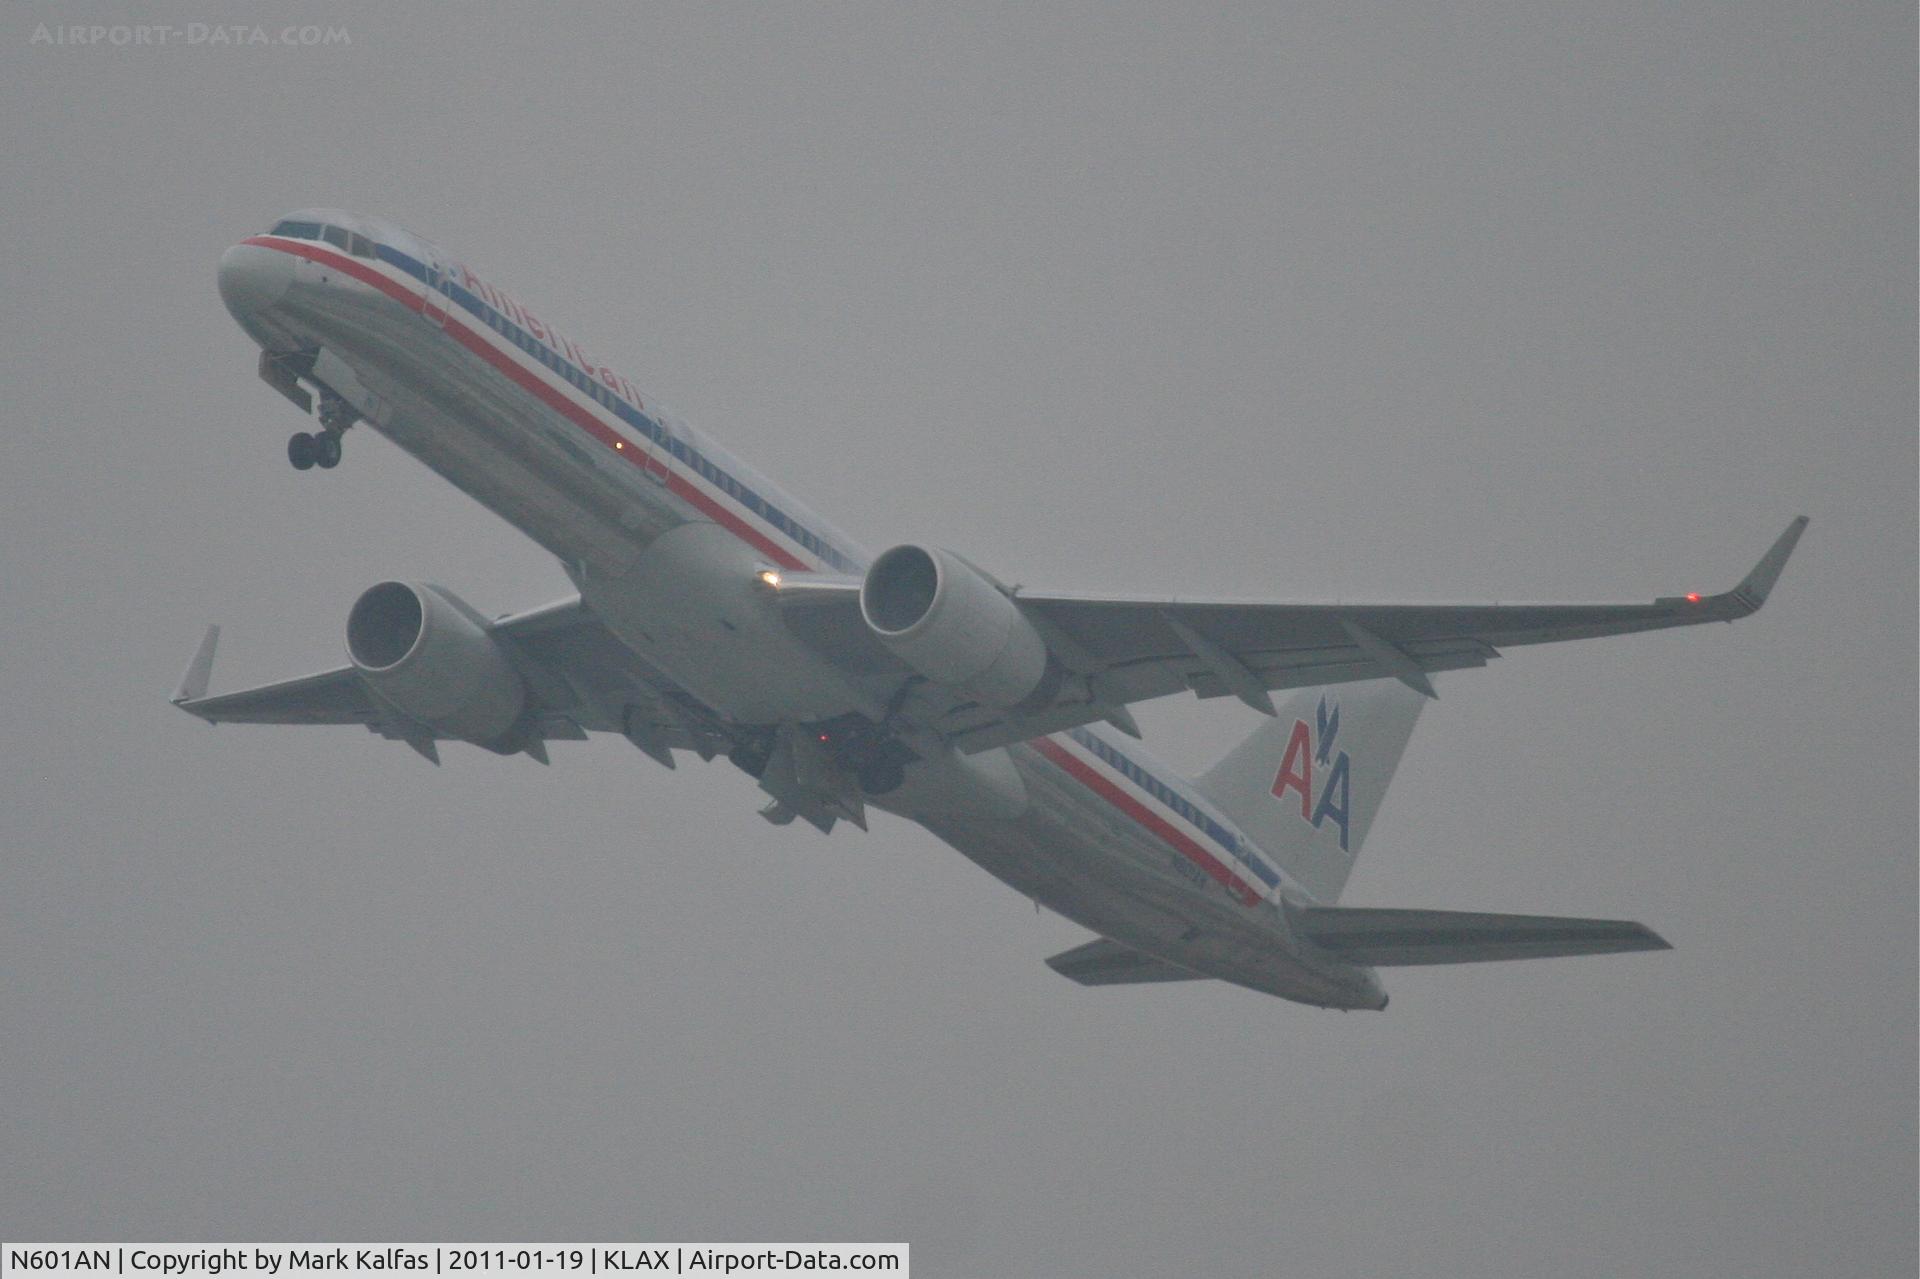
341,263
1088,776
547,394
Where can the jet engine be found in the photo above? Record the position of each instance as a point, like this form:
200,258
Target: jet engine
424,650
953,624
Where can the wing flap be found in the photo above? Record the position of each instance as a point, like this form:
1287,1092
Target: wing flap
1386,938
1105,962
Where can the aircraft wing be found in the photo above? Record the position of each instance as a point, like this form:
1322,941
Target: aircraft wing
1118,651
579,678
330,697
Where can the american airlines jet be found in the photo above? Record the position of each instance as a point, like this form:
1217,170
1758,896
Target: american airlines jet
716,614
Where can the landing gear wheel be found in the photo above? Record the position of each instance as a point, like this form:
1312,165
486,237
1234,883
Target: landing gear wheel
303,451
326,450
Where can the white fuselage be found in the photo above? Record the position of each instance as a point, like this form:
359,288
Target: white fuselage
664,532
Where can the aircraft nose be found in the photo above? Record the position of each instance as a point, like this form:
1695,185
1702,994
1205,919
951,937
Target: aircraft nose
253,278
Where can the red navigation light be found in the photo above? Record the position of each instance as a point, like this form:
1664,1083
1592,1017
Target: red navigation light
1693,597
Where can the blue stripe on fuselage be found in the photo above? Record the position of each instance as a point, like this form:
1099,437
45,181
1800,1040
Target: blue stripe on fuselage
1175,799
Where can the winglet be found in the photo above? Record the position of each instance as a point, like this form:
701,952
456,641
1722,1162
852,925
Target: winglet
1757,585
193,684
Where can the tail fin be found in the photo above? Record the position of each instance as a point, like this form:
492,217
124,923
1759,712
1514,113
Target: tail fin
1306,785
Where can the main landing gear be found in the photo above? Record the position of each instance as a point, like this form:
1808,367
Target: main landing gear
322,448
307,451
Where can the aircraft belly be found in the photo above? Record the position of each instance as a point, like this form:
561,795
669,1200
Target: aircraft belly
946,783
691,603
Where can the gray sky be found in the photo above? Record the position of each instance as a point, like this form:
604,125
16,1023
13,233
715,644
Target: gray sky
1264,300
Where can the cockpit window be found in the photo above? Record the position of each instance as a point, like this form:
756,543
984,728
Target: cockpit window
334,236
298,230
362,247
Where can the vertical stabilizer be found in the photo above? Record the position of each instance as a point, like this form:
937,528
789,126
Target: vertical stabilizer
1306,785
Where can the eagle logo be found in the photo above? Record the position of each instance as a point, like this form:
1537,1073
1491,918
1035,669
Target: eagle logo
1329,724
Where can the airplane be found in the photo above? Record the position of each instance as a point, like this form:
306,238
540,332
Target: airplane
715,614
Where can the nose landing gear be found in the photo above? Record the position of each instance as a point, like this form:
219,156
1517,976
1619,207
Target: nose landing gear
322,448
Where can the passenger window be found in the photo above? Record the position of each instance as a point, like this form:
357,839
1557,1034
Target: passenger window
335,236
361,246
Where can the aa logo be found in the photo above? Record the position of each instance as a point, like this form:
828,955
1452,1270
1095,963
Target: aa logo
1307,748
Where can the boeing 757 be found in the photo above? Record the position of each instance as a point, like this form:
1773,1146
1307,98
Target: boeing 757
715,614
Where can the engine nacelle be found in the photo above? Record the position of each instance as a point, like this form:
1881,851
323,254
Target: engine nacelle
949,621
422,649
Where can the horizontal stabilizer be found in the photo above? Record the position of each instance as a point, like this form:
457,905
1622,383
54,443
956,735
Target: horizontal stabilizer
1104,962
1383,938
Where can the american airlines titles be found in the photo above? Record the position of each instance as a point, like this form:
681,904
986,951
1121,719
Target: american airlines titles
566,348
